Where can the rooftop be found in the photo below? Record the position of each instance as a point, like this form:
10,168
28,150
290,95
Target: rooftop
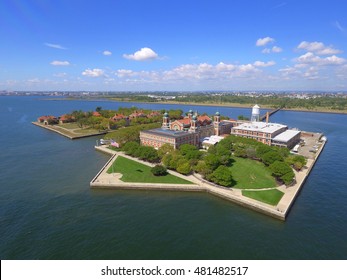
261,126
286,135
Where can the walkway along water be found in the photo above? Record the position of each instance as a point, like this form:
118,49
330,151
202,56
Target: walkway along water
103,180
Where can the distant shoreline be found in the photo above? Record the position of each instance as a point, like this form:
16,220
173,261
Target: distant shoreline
232,105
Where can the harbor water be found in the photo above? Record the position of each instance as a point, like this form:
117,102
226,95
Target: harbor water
48,211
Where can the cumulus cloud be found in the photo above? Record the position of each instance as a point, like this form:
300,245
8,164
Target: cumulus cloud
55,46
60,63
274,49
107,53
142,54
93,72
317,48
311,58
264,64
264,41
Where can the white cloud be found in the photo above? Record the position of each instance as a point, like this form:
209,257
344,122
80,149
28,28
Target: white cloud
264,41
55,46
93,72
264,64
107,53
317,48
311,58
274,49
339,26
143,54
124,73
60,75
60,63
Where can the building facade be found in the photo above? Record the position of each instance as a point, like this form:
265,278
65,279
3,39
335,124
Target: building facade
191,129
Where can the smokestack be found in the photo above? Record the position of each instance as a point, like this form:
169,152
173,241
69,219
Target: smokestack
267,117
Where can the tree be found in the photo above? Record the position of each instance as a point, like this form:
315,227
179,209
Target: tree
184,167
282,171
262,149
130,148
98,109
148,153
202,168
190,152
165,149
222,176
159,170
271,156
297,161
212,161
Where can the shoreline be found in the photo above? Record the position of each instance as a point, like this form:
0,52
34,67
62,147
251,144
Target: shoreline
51,128
231,105
280,211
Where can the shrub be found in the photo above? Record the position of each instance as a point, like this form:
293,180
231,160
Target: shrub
159,170
222,176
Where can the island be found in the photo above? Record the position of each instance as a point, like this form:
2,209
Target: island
250,161
257,164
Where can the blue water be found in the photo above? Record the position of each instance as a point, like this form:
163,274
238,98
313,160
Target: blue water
48,211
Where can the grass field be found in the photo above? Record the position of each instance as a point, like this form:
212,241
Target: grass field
251,174
271,197
135,172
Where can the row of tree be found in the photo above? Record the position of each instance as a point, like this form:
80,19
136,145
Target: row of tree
214,164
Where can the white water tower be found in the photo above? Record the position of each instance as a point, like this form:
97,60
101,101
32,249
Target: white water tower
255,113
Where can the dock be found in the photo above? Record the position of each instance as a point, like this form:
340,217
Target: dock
263,117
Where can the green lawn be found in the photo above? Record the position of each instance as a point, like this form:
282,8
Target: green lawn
271,197
251,174
139,173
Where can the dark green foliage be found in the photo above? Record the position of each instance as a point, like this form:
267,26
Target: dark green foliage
130,148
262,149
270,157
297,161
190,152
212,161
159,170
147,153
175,114
222,176
282,171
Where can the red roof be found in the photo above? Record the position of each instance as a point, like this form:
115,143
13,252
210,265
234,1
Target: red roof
184,121
137,114
44,118
204,118
118,117
96,114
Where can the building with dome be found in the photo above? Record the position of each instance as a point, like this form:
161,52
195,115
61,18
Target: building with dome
191,129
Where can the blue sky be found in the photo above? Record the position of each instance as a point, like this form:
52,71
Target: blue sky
173,45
